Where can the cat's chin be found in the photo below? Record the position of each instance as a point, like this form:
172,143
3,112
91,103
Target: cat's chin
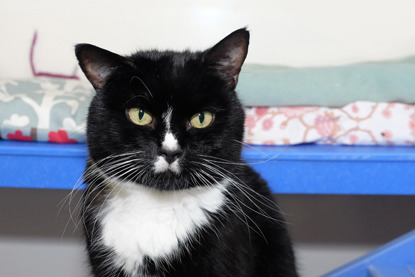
168,185
166,181
170,181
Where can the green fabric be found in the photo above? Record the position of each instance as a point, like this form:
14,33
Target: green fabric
263,85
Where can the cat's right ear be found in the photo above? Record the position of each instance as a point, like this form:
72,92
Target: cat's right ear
228,55
98,64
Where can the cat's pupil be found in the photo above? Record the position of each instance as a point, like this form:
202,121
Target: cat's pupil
140,114
201,117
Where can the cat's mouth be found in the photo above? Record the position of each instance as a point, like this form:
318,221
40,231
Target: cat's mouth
167,167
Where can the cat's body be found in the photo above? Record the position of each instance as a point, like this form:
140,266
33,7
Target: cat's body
168,193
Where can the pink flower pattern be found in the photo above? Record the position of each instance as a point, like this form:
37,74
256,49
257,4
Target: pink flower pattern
412,124
261,111
294,112
353,139
386,113
325,125
361,123
387,134
355,108
267,124
250,121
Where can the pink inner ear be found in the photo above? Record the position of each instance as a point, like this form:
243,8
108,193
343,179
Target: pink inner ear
236,59
229,54
231,65
96,74
98,63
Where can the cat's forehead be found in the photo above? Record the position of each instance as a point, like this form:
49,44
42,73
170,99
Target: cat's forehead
172,79
165,60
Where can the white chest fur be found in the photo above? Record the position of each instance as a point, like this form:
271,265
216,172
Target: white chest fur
139,221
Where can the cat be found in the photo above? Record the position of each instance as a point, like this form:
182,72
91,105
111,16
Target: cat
168,193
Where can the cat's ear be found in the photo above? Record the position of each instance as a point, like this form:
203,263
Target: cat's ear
229,54
98,63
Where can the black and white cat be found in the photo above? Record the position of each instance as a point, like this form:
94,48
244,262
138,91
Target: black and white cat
168,193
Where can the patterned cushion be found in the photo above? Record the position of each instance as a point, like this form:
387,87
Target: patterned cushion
44,109
359,123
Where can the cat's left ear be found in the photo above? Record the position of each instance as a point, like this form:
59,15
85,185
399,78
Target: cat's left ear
229,54
98,64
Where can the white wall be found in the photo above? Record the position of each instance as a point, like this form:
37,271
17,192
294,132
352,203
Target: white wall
287,32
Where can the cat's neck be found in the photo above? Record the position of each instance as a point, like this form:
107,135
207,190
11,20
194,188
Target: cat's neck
139,221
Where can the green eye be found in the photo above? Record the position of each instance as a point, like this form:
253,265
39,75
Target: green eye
139,116
201,120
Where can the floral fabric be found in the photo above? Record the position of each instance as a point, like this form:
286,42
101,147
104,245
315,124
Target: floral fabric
363,123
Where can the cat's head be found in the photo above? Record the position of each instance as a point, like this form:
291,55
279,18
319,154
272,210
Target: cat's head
168,120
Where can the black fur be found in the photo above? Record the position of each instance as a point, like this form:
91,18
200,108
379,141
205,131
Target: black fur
251,240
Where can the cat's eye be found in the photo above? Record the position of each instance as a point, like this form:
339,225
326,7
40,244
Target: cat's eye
201,120
139,116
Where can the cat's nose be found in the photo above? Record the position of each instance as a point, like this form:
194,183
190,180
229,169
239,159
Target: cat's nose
170,155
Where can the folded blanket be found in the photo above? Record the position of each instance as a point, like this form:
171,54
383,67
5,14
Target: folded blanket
394,81
363,123
55,110
44,109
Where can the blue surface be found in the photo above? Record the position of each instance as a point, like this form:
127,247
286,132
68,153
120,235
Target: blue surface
393,270
309,169
41,165
395,259
320,169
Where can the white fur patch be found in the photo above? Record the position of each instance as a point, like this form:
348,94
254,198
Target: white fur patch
141,221
167,118
175,166
160,165
170,142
